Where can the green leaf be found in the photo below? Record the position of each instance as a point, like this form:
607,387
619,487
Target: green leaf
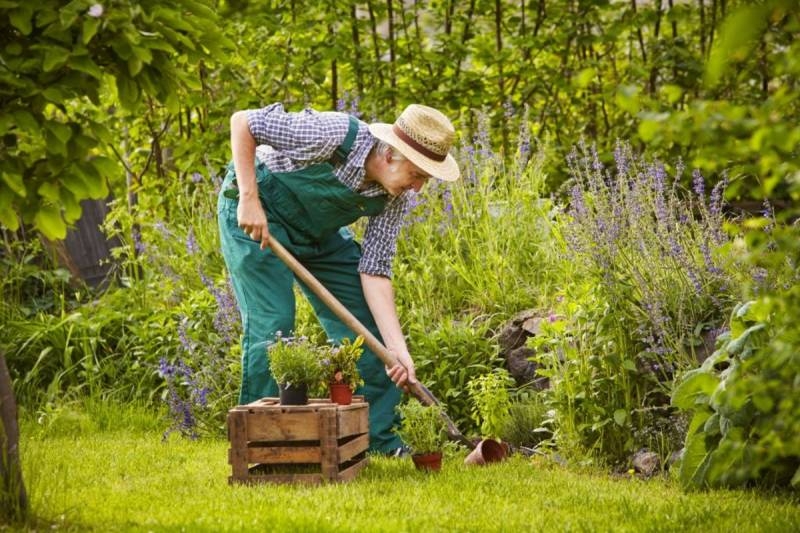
585,77
694,386
49,221
21,19
90,26
620,416
648,130
86,65
49,191
72,207
61,131
54,57
128,92
8,217
627,98
796,478
15,183
695,462
106,167
26,120
134,66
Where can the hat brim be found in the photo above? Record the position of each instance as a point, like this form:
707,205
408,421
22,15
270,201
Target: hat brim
446,170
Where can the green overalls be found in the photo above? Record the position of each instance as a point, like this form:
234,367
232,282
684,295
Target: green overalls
307,211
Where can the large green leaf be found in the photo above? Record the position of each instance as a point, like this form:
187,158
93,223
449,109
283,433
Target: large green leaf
695,461
695,385
49,221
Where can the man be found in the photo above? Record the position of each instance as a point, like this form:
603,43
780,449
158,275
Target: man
314,174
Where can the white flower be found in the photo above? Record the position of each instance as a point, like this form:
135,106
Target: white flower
96,10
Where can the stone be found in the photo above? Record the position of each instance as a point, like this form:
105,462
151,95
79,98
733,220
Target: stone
646,462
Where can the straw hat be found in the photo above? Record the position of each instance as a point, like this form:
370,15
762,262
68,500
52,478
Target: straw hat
424,136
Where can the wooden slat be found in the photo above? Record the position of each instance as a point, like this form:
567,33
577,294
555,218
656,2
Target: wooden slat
351,472
354,447
353,421
305,479
237,434
284,454
280,425
329,451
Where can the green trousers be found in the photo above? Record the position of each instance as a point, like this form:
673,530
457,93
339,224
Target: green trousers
263,286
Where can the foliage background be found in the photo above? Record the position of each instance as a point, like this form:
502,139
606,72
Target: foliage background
128,102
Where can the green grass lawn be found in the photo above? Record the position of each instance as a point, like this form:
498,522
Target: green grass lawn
100,478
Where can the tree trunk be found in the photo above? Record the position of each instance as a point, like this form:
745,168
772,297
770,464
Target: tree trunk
13,498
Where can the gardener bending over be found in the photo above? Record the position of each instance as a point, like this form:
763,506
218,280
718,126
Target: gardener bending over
315,173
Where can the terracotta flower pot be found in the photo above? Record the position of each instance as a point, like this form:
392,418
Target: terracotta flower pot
293,394
487,451
428,461
341,393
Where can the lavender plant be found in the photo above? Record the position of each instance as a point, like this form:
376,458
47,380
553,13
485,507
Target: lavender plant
652,250
646,283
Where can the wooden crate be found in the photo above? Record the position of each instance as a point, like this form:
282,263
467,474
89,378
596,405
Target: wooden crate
321,441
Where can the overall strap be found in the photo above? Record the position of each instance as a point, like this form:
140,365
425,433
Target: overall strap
343,150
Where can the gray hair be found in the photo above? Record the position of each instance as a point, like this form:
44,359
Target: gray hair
383,147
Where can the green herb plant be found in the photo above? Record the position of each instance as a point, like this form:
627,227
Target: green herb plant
422,427
295,361
341,364
491,401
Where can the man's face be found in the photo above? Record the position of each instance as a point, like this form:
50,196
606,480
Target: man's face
403,175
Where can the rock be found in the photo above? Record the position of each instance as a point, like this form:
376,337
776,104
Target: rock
523,369
646,462
512,341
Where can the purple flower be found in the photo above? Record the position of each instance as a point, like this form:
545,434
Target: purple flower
96,10
191,243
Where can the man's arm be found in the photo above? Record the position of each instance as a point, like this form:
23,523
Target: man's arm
379,294
250,212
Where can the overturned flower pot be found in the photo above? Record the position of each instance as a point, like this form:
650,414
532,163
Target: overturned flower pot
486,451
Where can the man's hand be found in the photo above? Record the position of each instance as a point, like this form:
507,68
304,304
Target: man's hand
253,220
402,373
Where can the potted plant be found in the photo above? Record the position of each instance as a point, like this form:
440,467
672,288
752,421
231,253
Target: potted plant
341,371
295,365
423,430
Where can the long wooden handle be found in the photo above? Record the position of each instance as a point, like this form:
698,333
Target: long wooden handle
419,390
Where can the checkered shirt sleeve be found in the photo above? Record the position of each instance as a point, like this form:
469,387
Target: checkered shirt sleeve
289,141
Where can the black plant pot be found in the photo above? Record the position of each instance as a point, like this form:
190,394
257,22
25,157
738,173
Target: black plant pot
293,394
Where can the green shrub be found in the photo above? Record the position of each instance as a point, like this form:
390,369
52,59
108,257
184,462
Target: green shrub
745,400
447,356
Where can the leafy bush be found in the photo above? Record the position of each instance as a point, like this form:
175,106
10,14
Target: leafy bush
746,401
447,356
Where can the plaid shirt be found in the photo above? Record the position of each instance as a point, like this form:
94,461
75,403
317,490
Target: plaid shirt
291,141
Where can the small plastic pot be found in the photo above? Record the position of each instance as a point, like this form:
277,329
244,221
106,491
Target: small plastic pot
293,394
341,393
